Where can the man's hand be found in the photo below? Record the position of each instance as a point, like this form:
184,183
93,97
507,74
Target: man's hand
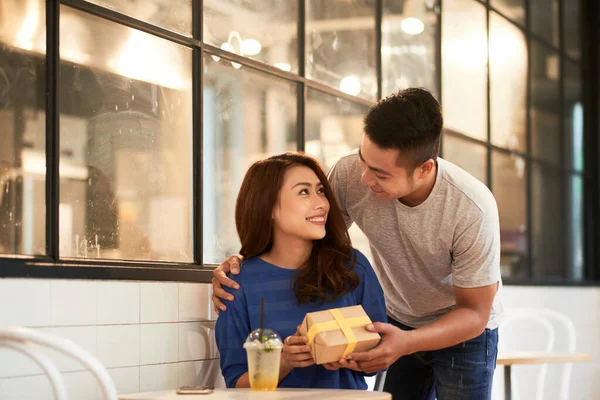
231,264
296,352
349,364
393,345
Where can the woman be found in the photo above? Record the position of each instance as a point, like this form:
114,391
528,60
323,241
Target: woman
299,258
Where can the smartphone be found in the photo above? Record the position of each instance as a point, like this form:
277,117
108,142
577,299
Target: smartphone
194,390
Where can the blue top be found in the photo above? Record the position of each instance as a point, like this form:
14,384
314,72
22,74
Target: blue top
283,314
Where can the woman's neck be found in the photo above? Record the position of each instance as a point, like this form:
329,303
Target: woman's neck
289,253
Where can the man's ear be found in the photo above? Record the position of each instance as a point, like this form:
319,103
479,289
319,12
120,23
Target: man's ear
426,168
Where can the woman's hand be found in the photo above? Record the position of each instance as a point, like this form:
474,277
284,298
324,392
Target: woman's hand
296,352
349,364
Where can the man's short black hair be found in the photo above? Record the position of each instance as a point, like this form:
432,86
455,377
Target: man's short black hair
409,121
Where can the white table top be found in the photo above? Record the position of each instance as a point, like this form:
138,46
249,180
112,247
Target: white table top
531,357
279,394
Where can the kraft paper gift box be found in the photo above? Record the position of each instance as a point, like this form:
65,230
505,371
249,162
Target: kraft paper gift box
333,334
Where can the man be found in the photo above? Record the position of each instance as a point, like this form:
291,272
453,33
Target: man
435,240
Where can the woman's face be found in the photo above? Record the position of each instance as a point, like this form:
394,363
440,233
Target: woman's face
302,208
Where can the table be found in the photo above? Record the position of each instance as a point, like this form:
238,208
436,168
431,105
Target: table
247,394
522,358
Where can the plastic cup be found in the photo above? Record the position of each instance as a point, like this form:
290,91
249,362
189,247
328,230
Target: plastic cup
264,353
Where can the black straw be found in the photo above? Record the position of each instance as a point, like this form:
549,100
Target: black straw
262,317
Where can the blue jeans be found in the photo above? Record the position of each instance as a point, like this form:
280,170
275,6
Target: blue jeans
461,372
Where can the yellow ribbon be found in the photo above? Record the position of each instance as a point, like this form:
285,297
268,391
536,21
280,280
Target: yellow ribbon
339,322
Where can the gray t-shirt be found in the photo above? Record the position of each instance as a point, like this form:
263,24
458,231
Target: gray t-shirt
419,253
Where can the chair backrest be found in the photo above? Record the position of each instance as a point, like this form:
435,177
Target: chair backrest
547,321
24,340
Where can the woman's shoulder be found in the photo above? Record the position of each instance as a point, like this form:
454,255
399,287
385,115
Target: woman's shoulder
360,262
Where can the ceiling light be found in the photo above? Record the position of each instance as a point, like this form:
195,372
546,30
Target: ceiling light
350,85
412,26
251,47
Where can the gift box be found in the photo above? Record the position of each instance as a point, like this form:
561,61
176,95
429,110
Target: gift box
333,334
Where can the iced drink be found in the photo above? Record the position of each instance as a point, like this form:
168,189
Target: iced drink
264,352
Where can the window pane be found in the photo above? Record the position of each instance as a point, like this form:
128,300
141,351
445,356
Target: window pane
174,15
571,25
125,143
334,126
573,111
340,45
548,222
407,55
22,127
575,236
545,19
464,67
545,132
247,116
508,84
262,31
509,188
513,9
471,157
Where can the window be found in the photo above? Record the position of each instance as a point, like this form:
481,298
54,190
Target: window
133,172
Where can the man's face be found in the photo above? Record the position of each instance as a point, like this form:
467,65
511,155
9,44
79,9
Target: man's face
382,172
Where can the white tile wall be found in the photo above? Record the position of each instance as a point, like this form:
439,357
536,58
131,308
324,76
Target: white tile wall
73,302
132,328
158,377
118,303
159,302
119,345
158,343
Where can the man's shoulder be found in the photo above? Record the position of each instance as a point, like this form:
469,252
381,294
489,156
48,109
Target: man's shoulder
346,162
462,185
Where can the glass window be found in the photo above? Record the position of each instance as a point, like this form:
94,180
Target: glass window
22,127
472,157
334,126
340,45
545,19
571,20
125,143
262,30
547,208
247,116
464,67
408,35
509,188
575,221
513,9
544,113
174,15
573,112
508,85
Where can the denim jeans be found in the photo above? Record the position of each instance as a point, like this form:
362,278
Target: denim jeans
461,372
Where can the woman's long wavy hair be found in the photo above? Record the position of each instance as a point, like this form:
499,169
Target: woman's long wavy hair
328,273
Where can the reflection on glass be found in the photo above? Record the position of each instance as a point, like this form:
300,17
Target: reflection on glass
573,112
247,116
575,233
571,19
464,68
471,157
509,188
22,127
334,127
513,9
125,143
544,113
508,84
175,15
548,222
340,45
408,56
545,19
266,33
